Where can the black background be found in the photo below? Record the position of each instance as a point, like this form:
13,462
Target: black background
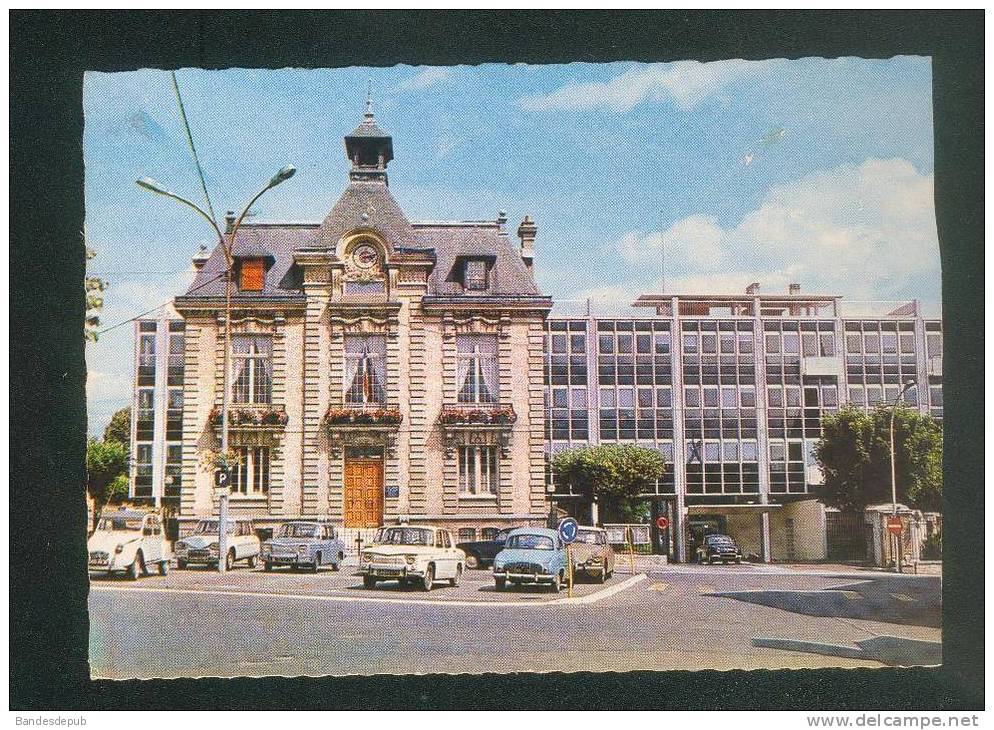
48,578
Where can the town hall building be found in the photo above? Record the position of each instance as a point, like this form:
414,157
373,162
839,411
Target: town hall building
382,369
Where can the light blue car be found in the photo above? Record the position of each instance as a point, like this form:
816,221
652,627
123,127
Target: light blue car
304,544
532,555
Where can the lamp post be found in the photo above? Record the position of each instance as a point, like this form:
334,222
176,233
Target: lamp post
227,247
895,539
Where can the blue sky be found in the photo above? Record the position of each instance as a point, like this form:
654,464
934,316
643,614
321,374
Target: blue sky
816,171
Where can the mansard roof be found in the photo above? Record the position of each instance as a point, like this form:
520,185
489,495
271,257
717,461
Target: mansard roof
367,205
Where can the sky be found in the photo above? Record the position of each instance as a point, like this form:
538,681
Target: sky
684,177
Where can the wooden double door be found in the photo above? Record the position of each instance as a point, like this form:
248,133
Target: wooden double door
363,491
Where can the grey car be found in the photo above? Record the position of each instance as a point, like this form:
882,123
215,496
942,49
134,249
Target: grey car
304,544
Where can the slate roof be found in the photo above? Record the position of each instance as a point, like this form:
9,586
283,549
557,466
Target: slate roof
382,214
454,241
447,241
282,278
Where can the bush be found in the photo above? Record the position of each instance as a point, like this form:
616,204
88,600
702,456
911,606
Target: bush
932,547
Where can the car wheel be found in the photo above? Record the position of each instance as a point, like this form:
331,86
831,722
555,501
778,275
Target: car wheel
163,567
229,560
268,566
429,579
368,581
136,568
316,563
500,583
557,583
181,564
454,581
253,561
738,561
472,562
603,576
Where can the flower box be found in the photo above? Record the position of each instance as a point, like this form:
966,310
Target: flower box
251,416
497,416
336,416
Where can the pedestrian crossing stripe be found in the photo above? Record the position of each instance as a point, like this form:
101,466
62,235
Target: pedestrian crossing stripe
851,595
658,586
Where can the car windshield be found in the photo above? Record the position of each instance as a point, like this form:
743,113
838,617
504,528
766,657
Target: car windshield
209,527
294,530
718,540
587,536
530,542
120,524
405,536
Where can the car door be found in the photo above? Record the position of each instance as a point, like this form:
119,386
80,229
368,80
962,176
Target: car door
444,564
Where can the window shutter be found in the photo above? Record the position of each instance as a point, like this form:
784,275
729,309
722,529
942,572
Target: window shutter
253,275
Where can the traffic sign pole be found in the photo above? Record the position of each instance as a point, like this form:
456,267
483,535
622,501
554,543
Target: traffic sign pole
567,533
630,534
569,570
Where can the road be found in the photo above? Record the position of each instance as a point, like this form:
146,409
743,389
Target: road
250,623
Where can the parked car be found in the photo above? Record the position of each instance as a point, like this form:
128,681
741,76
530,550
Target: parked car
130,541
718,548
412,555
304,544
592,555
481,553
202,546
531,555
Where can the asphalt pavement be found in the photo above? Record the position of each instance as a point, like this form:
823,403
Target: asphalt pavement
197,623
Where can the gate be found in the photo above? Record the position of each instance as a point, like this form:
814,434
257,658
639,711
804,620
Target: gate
849,536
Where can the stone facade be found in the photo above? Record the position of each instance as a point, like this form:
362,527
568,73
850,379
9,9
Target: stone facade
358,405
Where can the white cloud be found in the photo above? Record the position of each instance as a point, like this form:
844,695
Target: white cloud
425,79
685,84
864,231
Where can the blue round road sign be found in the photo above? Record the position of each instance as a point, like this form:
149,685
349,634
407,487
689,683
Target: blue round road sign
567,530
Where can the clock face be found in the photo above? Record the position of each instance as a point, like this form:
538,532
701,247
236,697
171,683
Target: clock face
365,256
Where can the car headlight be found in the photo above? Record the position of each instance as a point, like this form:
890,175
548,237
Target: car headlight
213,548
301,550
119,549
411,559
266,549
181,545
367,558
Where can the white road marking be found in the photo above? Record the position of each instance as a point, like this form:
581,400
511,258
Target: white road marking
600,595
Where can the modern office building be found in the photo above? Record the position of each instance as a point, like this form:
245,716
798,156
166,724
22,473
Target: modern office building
157,409
731,390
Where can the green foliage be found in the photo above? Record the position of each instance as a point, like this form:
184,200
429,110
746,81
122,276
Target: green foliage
613,474
105,462
95,287
119,428
854,454
932,547
117,490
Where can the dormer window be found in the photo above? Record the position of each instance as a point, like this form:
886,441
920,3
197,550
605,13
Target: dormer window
252,274
475,275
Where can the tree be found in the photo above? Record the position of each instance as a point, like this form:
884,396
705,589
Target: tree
119,428
854,454
106,465
612,474
95,287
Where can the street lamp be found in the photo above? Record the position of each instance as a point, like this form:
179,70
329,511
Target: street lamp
908,385
227,246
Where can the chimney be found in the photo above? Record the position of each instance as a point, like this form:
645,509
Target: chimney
229,221
200,258
501,219
526,232
753,288
794,289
